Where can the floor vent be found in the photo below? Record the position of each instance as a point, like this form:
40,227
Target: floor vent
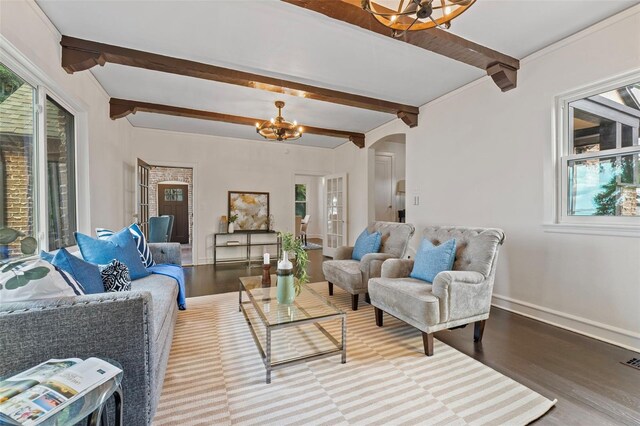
633,362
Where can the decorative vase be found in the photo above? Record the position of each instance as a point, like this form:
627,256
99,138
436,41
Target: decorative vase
230,229
286,292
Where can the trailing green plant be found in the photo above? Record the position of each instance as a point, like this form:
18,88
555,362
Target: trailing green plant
294,247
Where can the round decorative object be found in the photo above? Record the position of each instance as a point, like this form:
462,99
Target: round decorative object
413,15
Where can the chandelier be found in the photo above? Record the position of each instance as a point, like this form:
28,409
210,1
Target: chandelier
410,15
278,128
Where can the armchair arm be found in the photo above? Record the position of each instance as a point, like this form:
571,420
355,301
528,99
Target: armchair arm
462,294
371,263
343,253
397,268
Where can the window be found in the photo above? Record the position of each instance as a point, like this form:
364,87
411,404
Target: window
61,176
17,155
33,148
301,200
600,161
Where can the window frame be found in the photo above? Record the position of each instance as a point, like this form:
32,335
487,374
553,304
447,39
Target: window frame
562,156
45,87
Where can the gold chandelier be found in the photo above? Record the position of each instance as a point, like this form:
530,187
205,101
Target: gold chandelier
411,15
278,128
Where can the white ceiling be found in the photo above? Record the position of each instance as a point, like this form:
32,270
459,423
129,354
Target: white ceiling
277,39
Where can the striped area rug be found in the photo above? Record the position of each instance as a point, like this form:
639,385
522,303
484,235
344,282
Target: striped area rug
215,376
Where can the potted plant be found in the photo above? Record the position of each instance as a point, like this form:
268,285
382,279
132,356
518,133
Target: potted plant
294,247
232,219
28,245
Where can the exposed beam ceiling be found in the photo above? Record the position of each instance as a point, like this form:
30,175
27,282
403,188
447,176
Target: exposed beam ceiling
80,55
120,108
502,68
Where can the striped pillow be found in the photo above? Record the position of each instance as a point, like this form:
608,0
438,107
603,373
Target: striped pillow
35,278
138,237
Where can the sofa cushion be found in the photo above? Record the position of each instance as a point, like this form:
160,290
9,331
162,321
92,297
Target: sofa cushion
34,278
86,273
344,273
409,299
119,246
115,276
164,292
138,236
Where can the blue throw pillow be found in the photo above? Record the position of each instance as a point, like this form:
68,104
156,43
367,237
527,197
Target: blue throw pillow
366,243
119,246
138,237
431,260
87,274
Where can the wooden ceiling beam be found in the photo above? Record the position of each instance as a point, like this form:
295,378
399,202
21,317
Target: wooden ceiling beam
120,108
502,68
79,55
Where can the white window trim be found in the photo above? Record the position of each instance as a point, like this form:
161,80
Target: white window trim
594,225
45,86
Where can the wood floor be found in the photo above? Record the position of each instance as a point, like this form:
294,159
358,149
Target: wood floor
584,374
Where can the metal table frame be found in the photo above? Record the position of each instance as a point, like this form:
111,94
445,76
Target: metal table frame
341,347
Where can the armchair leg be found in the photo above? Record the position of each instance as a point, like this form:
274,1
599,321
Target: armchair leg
354,302
330,288
478,330
427,340
367,298
379,313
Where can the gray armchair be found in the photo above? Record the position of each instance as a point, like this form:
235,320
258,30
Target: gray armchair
352,275
455,298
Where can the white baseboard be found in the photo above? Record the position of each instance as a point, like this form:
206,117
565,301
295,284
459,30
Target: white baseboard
616,336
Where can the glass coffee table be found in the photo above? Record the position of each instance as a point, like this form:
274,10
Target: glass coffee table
312,322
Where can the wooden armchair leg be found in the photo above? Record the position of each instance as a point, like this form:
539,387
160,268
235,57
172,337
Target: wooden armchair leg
427,340
330,288
478,330
354,302
379,313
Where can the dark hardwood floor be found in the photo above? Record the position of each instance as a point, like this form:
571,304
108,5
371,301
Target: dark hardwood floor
584,374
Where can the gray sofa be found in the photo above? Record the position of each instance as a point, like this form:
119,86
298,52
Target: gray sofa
455,298
352,275
134,328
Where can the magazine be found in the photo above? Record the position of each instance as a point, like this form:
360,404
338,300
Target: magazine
34,395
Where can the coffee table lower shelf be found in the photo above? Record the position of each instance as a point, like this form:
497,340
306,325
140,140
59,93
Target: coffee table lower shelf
266,353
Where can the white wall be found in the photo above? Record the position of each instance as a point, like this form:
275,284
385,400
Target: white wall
480,157
103,148
314,198
224,164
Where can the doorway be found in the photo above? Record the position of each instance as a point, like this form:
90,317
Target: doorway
307,210
168,190
173,200
386,179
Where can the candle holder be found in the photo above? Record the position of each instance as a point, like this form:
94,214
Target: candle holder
266,275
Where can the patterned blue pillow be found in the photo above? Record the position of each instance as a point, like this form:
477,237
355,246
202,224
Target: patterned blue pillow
119,246
431,260
138,237
366,243
115,276
85,273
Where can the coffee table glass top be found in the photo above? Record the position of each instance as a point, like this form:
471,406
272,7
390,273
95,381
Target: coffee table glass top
307,305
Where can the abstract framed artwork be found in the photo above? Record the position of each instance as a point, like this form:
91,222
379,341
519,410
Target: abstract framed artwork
252,209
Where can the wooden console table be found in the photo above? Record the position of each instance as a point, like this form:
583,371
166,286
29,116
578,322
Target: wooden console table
245,242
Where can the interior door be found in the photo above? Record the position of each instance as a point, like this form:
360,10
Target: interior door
384,188
335,207
173,199
143,196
